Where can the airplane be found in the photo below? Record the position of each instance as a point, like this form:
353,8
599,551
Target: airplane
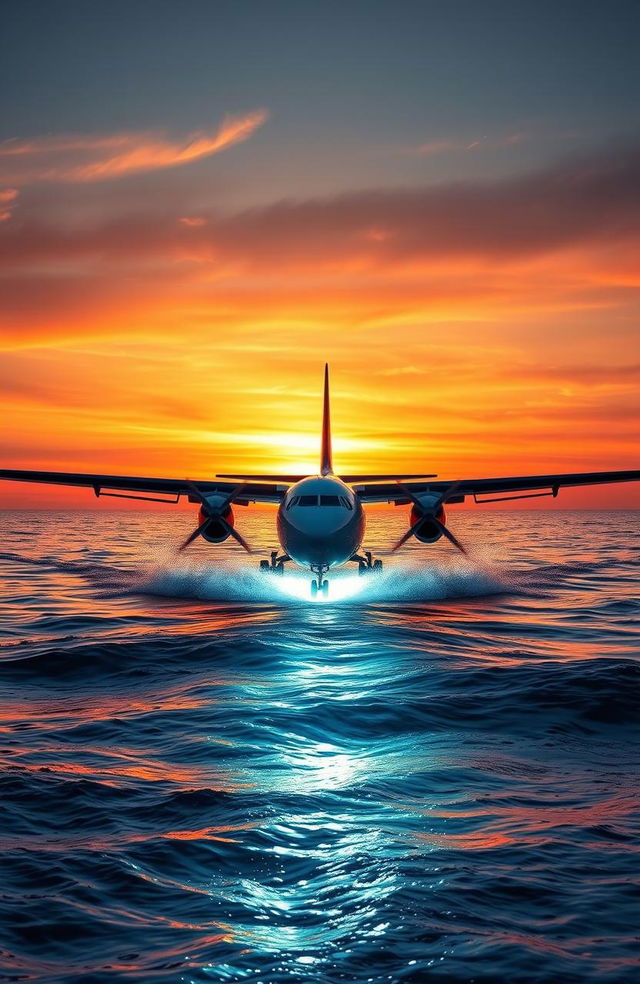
320,518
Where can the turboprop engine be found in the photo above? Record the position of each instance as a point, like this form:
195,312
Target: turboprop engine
430,510
215,518
428,521
220,521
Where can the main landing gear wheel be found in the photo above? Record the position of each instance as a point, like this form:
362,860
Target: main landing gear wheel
322,589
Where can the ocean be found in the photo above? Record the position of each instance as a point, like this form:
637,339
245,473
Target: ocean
431,776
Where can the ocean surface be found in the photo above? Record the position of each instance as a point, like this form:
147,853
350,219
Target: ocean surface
206,776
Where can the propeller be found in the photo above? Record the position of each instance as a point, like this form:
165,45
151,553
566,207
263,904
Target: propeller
450,537
194,535
431,516
216,514
406,536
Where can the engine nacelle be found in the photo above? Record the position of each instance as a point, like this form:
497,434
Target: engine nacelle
427,532
215,532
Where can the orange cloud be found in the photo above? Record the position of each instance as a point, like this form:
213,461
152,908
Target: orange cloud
481,329
193,221
8,198
99,158
580,204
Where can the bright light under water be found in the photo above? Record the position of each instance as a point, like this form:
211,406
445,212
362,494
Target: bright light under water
341,587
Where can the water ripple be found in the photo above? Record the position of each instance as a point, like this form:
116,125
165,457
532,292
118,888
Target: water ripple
206,776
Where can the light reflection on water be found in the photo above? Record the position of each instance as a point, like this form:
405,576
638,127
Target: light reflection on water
207,776
341,586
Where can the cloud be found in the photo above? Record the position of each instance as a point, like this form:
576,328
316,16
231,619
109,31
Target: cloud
401,371
562,239
192,221
447,145
578,201
104,157
574,204
8,197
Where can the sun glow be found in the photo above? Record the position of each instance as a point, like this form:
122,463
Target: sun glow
452,347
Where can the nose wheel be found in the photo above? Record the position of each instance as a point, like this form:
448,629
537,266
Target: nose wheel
321,585
321,588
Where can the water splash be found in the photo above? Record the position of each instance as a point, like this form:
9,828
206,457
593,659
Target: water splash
402,582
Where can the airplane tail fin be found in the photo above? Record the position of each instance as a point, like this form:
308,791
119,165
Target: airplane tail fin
326,463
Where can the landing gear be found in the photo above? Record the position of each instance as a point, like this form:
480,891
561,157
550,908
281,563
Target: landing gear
275,565
366,564
322,588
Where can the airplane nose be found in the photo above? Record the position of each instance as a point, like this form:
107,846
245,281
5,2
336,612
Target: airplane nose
318,522
319,535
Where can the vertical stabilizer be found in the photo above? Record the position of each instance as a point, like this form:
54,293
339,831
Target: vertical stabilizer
326,463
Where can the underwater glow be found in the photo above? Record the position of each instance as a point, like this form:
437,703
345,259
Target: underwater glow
342,587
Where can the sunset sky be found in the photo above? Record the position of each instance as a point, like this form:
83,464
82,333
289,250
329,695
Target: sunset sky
203,201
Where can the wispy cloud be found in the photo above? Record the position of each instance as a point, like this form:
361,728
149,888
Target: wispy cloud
192,221
447,145
401,371
78,158
430,148
543,244
8,197
581,203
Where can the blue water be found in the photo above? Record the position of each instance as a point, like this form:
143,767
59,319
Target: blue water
205,776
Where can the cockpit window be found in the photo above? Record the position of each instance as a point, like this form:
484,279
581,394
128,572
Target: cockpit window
321,500
329,500
308,500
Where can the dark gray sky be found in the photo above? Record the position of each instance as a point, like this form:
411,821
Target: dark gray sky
359,94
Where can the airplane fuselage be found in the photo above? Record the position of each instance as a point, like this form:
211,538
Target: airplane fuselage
321,522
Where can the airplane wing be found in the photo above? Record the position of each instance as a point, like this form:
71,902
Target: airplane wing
497,489
152,489
349,479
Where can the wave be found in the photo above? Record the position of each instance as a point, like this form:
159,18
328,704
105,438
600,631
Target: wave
206,775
